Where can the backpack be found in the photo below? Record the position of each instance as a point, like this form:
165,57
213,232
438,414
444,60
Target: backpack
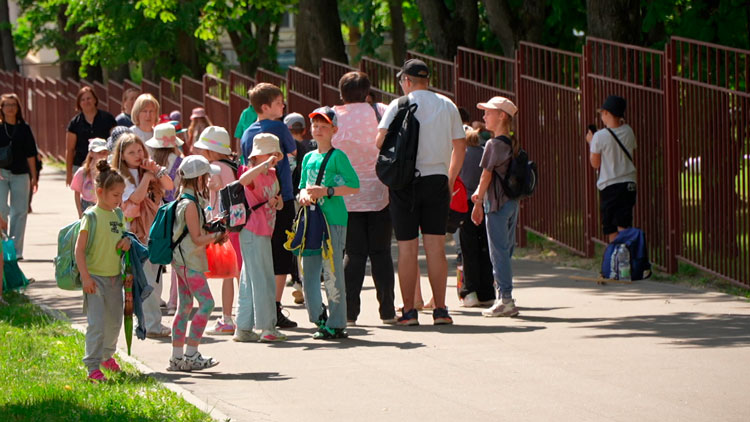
234,206
396,165
233,165
521,178
66,270
628,253
160,244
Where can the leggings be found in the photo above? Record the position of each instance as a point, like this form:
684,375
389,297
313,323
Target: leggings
191,284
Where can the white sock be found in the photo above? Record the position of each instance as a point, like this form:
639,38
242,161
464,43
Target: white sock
191,350
177,352
228,319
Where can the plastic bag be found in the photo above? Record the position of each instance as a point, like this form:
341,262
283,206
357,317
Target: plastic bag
13,277
222,261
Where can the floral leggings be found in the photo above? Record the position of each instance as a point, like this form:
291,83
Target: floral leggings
191,284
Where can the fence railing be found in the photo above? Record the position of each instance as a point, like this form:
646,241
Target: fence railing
689,107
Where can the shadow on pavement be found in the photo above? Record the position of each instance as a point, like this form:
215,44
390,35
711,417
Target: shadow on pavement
184,377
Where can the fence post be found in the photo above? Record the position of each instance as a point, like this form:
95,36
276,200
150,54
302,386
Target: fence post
321,77
590,225
672,168
521,225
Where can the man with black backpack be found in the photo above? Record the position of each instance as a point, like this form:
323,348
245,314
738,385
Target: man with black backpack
421,202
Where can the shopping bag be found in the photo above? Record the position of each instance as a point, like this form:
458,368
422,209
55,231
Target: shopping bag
13,277
222,261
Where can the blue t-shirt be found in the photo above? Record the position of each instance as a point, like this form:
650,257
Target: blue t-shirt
287,145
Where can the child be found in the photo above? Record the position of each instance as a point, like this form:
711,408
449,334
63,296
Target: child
339,179
164,145
258,287
198,122
101,274
268,102
189,263
145,182
214,144
83,180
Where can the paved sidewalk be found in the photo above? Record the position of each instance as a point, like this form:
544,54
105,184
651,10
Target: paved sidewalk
578,352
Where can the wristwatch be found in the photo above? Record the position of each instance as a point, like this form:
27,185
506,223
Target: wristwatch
330,191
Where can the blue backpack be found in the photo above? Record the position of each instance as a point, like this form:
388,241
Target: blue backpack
160,244
637,250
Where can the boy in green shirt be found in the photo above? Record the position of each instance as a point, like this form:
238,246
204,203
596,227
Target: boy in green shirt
339,179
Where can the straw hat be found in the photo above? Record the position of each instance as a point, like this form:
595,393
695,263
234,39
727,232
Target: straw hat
164,137
265,143
214,138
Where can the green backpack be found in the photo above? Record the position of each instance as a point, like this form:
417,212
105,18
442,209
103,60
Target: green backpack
66,270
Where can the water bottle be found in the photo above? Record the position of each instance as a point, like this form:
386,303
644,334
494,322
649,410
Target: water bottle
623,263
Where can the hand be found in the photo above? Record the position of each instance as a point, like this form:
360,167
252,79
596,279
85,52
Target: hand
123,244
475,198
34,184
68,178
272,160
305,198
316,192
221,237
477,214
451,184
150,165
276,202
89,286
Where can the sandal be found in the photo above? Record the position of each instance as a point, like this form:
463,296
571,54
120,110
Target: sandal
198,362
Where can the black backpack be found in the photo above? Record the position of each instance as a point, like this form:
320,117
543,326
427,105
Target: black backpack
396,165
521,179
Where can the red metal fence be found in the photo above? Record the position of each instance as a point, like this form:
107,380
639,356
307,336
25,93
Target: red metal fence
688,105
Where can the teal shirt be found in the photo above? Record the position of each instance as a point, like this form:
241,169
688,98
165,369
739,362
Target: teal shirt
248,117
338,172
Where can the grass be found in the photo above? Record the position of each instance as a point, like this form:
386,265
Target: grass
540,249
42,377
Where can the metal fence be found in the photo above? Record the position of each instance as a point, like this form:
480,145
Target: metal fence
689,107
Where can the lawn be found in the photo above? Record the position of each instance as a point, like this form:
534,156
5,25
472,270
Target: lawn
42,377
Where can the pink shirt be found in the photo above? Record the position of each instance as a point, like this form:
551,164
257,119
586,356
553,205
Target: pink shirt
84,184
215,184
264,187
358,128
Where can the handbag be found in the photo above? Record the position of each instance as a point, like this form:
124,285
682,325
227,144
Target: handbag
234,207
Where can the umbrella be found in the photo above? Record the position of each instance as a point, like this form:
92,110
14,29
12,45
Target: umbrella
127,282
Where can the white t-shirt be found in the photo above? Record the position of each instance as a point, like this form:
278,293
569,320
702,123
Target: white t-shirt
129,187
616,167
439,124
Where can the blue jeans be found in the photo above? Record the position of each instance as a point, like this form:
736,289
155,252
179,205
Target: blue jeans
257,297
18,186
312,267
501,233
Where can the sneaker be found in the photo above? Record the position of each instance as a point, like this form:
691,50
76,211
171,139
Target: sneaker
96,376
409,318
268,336
327,333
351,323
197,361
220,328
178,364
440,317
282,321
390,321
500,309
111,365
163,332
299,297
245,336
470,300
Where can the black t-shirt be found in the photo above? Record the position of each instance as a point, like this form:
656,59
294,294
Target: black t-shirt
22,145
103,123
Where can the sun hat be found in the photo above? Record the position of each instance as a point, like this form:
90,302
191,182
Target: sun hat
615,105
265,143
294,121
214,138
325,112
117,131
194,166
414,67
198,112
97,145
165,136
499,103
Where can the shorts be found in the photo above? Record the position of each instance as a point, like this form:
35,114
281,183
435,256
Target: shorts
283,260
424,205
616,204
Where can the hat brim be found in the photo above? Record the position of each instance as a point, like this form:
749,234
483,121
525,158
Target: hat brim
215,148
99,149
214,169
323,115
155,143
487,106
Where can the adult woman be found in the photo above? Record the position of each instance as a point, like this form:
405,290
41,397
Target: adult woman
368,231
90,122
18,142
128,99
198,122
145,116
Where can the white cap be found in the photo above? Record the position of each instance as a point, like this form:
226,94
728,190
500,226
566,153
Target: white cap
197,165
97,145
499,103
214,138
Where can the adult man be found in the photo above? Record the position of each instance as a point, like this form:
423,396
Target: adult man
424,205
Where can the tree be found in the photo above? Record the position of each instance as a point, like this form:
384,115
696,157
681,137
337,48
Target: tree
450,28
616,20
513,24
318,35
8,60
398,30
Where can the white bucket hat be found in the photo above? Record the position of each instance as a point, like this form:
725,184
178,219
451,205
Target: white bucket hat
197,165
265,143
214,138
165,136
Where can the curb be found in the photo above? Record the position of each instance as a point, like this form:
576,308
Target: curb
191,398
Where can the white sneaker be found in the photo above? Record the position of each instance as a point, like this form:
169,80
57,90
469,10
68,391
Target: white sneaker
245,336
500,309
470,300
272,335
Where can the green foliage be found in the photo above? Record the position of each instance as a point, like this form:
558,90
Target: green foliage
372,19
37,27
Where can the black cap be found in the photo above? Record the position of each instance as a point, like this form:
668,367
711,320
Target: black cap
615,105
414,67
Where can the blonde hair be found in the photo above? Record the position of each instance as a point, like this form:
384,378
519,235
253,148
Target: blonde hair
123,143
472,137
140,103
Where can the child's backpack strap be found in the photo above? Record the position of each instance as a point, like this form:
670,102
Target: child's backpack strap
185,230
91,216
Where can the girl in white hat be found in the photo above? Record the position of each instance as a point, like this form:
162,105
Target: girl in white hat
164,145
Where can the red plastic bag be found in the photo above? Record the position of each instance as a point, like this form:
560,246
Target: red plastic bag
222,261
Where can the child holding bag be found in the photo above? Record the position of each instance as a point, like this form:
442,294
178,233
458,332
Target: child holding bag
190,264
257,298
100,270
164,145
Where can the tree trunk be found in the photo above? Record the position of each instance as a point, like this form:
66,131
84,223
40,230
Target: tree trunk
323,35
95,73
302,54
468,12
187,53
398,31
6,40
500,19
120,73
444,31
69,64
531,17
615,20
148,69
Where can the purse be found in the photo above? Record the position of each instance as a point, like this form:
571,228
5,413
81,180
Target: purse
6,154
234,207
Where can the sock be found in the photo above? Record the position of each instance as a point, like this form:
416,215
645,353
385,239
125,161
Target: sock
228,319
191,350
507,300
177,352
